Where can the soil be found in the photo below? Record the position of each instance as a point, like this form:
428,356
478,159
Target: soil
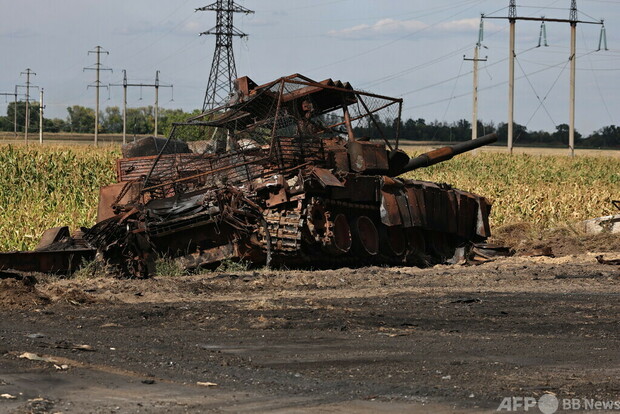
374,339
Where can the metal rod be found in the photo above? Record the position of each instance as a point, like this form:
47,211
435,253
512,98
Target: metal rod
336,88
361,116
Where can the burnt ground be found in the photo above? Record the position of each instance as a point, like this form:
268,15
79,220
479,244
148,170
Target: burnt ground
444,339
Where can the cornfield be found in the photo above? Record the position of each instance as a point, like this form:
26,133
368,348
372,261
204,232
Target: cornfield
546,191
48,187
54,186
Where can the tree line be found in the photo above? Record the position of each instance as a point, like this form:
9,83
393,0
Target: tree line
421,130
81,120
141,121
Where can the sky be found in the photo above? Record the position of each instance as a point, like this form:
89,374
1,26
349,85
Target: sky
403,48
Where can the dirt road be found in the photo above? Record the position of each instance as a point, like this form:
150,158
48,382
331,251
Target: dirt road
444,339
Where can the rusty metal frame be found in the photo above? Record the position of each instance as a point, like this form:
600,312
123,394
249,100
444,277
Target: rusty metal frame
374,121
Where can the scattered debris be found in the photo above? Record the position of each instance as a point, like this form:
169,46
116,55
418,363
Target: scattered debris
601,260
111,325
8,396
34,357
606,224
467,300
77,347
206,384
148,381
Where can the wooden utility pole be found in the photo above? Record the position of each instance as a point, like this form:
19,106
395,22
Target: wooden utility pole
98,68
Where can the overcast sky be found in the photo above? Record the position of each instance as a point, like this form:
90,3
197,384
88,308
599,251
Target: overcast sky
406,48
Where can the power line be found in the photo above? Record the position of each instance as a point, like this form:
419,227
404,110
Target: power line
495,85
573,20
155,85
541,101
598,87
392,41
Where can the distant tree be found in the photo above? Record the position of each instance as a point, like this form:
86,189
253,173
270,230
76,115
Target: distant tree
33,110
55,125
112,120
81,119
140,121
606,137
167,117
520,133
560,135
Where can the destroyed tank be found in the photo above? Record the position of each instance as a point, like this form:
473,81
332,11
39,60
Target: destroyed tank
294,172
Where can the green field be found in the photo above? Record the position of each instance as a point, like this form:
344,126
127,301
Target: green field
43,187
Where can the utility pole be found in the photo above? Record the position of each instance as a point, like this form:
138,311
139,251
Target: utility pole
223,69
28,72
98,68
156,100
512,16
14,95
15,114
573,65
41,116
573,20
124,85
155,85
475,60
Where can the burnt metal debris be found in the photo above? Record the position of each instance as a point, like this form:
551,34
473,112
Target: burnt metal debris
285,180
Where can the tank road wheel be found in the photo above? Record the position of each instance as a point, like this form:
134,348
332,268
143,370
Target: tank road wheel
329,229
338,238
393,241
416,247
416,241
365,236
441,246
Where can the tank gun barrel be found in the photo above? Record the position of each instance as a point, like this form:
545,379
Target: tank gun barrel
445,153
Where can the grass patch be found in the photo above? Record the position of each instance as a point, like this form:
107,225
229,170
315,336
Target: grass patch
90,269
229,265
167,266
